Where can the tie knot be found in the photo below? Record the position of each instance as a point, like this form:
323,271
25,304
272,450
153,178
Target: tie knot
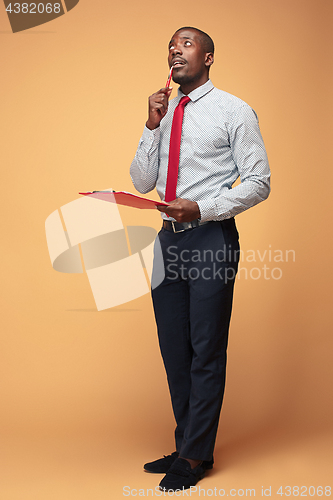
184,100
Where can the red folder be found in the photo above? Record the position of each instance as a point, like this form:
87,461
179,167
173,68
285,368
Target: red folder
125,198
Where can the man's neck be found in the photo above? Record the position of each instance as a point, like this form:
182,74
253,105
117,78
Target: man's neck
188,88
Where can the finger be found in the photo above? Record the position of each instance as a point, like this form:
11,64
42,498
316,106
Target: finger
171,211
162,102
162,208
158,99
158,105
164,93
161,98
158,108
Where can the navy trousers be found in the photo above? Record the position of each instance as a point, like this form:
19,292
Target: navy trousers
192,309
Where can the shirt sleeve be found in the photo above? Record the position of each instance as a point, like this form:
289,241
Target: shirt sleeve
144,167
249,154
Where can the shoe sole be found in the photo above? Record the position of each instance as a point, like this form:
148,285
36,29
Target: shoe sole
154,472
209,467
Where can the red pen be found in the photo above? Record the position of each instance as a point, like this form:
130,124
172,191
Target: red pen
169,78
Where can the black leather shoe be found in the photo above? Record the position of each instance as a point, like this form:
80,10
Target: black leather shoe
162,465
180,476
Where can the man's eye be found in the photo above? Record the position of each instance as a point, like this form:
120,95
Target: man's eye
171,47
187,43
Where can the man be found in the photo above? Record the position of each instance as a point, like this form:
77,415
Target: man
220,141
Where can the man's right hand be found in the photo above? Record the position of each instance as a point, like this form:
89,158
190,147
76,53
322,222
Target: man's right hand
158,106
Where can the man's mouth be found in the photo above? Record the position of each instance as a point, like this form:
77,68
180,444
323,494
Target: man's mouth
178,63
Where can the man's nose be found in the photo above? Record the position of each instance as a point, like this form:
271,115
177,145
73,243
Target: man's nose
176,50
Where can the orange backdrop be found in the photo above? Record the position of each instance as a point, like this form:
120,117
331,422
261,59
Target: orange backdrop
84,396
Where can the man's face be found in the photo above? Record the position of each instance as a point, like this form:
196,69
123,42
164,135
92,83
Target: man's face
190,62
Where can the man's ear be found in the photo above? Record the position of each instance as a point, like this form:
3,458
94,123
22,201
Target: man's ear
209,59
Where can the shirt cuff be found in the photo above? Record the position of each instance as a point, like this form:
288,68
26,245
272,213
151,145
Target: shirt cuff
150,138
207,209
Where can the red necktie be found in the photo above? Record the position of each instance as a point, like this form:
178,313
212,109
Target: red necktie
174,149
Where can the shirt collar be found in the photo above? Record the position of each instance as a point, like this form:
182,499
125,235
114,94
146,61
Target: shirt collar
198,92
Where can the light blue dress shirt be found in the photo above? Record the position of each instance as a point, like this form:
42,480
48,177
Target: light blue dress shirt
220,142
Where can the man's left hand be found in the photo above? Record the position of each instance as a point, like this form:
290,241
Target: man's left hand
182,210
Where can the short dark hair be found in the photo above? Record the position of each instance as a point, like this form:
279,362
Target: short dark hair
205,40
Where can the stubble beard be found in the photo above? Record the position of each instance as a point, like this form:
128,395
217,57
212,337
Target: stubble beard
186,79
